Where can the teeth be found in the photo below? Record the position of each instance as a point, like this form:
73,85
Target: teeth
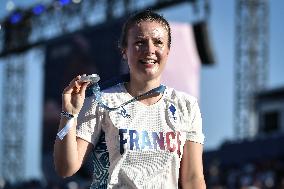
148,61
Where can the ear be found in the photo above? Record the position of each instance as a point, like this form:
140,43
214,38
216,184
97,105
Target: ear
124,56
168,52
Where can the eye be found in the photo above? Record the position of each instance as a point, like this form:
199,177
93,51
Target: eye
159,42
139,43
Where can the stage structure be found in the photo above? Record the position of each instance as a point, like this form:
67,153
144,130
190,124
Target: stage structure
24,30
21,112
251,62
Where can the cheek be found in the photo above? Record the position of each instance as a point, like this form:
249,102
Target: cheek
134,52
136,49
133,49
164,52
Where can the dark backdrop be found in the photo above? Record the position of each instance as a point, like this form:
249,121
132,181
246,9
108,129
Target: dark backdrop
92,50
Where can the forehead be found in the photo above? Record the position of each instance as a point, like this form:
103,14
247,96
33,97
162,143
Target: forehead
148,28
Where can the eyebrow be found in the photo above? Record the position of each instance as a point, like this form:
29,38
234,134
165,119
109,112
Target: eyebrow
139,37
142,37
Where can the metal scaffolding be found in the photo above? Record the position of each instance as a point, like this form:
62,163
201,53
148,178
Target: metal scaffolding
13,120
251,62
57,20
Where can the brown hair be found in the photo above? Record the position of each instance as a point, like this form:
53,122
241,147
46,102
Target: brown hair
146,15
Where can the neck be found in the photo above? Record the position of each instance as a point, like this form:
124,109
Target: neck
136,88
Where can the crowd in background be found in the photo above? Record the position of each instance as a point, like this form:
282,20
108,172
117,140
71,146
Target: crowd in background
261,174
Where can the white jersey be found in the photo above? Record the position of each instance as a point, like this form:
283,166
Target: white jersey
144,143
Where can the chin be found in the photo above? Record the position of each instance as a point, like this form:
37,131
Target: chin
150,76
152,72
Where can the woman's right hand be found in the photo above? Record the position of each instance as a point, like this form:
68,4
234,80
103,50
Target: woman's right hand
73,96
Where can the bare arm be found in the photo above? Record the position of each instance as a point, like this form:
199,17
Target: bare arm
191,167
70,152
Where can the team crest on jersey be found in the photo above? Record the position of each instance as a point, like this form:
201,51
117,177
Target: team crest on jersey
172,112
122,111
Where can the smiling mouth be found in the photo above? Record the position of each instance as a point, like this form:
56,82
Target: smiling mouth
149,61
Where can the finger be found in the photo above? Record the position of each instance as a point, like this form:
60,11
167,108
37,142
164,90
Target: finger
83,88
74,80
69,89
77,84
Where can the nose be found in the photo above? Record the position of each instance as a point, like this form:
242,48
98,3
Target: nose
150,47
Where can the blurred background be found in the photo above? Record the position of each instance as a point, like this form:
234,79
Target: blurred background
229,54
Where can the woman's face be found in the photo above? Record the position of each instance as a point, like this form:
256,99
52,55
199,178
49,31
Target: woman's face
147,50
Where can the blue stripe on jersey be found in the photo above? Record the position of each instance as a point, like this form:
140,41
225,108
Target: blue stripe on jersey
100,156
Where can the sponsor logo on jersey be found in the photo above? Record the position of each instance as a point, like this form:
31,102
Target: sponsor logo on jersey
139,140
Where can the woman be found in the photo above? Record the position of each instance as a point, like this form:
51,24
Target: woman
153,142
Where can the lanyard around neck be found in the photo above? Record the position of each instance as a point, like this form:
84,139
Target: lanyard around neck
98,94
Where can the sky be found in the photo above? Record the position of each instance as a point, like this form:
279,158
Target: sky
217,81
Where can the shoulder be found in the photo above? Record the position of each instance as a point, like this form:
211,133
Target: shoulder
114,95
177,96
185,103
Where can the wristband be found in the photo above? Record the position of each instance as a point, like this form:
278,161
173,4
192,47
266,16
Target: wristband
61,134
68,115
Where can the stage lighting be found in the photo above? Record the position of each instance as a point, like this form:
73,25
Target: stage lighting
76,1
15,18
10,6
64,2
37,10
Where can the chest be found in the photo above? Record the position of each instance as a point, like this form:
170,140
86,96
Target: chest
139,128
